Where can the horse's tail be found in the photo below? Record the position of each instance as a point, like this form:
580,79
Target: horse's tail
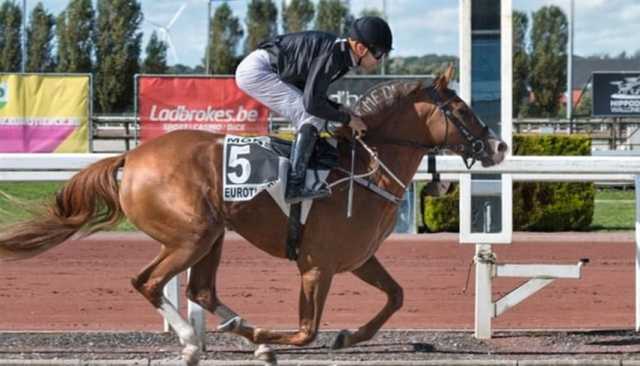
88,202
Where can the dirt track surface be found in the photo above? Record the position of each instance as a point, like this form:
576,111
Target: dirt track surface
84,285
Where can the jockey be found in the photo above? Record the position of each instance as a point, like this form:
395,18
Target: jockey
291,73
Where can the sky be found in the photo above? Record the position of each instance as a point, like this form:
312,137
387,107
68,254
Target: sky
419,26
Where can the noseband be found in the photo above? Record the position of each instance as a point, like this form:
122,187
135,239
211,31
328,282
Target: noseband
474,147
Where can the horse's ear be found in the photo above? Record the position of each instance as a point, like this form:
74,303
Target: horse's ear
448,75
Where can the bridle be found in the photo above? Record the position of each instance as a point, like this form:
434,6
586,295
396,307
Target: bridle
471,151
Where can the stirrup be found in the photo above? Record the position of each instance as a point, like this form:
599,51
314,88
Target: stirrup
308,194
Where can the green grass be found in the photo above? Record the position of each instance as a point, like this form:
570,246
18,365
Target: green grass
19,199
614,208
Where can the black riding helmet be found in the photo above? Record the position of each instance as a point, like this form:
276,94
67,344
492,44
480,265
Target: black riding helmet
374,33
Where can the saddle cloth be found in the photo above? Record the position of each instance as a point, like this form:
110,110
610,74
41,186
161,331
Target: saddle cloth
254,164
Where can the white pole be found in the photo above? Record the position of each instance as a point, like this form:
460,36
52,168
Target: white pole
570,66
23,40
171,293
207,70
637,187
483,303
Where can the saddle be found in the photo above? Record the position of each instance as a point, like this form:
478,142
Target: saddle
253,164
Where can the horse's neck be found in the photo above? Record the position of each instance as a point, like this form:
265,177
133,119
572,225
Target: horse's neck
403,161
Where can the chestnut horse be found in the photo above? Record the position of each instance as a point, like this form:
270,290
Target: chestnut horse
171,189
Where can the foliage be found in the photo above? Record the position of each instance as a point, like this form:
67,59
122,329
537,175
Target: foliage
548,77
332,17
118,43
520,61
39,41
75,36
10,45
156,60
262,18
226,32
416,65
297,16
442,213
536,206
552,206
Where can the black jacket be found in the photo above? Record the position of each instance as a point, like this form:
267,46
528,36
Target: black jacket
311,61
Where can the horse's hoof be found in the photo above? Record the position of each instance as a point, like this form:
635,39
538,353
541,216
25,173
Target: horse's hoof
191,354
341,340
266,354
230,325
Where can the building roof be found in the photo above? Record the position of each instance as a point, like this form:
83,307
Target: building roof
584,67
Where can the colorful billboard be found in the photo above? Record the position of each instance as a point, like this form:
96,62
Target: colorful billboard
44,113
214,104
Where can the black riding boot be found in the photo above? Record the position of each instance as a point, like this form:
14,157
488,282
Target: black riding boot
301,151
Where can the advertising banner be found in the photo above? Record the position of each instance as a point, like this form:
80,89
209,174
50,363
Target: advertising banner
214,104
44,113
616,94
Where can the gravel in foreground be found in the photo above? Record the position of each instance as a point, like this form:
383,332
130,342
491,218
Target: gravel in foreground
613,346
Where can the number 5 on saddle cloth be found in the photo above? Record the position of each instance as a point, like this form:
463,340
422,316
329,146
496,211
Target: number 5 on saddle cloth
254,164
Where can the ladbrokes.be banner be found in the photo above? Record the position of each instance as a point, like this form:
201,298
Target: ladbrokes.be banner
44,113
211,104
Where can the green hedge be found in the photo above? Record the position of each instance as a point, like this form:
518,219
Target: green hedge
536,206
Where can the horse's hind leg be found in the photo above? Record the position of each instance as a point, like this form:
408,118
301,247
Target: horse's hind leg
150,282
373,273
202,287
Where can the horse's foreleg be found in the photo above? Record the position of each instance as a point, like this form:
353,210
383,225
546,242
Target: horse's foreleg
313,294
373,273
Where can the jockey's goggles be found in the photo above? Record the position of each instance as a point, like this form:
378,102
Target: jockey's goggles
377,53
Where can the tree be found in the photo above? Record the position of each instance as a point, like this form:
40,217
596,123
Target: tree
332,17
39,40
548,59
11,48
226,32
520,61
118,45
297,15
262,18
156,60
62,58
371,12
75,34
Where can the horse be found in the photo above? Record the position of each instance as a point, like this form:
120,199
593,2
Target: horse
170,188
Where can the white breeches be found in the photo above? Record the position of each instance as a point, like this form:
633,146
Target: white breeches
256,77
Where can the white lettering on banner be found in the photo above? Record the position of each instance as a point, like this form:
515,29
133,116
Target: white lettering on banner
625,106
40,121
183,114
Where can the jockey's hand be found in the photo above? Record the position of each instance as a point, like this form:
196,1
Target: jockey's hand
357,125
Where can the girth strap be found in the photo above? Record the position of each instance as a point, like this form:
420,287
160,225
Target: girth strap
379,191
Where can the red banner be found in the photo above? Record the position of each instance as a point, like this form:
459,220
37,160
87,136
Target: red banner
211,104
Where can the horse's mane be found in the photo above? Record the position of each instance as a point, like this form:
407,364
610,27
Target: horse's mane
385,95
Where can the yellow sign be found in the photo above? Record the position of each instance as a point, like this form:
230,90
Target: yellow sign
44,113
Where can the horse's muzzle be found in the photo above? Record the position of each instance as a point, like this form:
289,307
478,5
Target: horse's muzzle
497,150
